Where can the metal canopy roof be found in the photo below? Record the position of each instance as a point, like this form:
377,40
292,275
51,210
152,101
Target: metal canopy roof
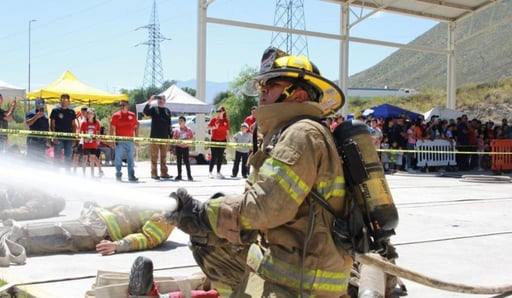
447,11
439,10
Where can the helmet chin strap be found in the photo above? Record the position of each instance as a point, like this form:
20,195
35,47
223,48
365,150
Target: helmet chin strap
290,89
287,92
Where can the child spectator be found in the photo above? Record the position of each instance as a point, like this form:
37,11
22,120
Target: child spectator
376,133
241,153
78,152
384,156
396,157
451,133
399,157
182,150
480,142
106,148
411,145
90,145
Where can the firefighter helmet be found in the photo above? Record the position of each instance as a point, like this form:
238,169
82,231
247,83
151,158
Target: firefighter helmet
301,72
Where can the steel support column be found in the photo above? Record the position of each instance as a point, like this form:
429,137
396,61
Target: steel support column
344,48
451,85
201,69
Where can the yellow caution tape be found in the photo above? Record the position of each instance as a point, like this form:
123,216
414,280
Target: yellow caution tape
77,136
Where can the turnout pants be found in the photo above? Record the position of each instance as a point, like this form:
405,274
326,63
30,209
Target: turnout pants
226,268
59,237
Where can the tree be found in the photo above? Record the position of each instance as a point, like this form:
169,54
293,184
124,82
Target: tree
221,96
190,91
168,84
238,105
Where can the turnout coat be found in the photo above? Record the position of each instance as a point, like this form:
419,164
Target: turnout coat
294,248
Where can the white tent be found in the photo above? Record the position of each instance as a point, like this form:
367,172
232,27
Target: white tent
443,113
11,92
179,101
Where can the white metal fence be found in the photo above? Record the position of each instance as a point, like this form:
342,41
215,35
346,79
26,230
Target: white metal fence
435,153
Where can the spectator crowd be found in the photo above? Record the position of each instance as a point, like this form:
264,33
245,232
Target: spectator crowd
396,137
68,151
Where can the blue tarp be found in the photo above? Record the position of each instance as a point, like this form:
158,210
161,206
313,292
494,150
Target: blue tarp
387,110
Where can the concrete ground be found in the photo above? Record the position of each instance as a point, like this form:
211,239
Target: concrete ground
449,229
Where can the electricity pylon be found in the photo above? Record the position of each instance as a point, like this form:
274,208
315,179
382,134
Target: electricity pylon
153,73
290,14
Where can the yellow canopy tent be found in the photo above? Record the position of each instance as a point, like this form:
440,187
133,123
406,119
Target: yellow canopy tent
78,91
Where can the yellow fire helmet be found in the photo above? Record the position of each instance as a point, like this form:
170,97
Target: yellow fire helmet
276,64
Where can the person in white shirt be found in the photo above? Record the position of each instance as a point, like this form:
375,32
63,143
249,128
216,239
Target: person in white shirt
242,152
182,150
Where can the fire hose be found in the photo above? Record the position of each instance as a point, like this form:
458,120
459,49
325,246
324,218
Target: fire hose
375,261
368,260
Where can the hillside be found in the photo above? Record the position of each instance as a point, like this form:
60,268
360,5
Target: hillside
212,88
479,59
487,101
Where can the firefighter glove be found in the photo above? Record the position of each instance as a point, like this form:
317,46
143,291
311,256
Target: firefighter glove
190,217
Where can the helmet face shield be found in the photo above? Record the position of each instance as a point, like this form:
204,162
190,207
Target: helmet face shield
253,86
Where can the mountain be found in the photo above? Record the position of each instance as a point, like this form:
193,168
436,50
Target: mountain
212,88
481,58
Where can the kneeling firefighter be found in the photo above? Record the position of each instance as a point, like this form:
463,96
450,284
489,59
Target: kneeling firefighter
275,238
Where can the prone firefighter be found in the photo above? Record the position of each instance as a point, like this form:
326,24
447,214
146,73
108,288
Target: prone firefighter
21,203
107,230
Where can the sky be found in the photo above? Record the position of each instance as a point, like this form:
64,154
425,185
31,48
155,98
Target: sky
98,40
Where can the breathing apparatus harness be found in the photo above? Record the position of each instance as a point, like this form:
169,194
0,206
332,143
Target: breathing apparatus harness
367,228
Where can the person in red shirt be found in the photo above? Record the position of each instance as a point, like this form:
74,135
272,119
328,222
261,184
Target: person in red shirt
251,120
338,118
219,125
124,124
90,145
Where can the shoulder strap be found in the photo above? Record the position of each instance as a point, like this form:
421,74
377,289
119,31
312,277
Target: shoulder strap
321,200
314,193
276,135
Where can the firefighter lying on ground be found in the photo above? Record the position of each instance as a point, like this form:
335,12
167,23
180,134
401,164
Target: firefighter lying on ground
274,239
20,203
107,230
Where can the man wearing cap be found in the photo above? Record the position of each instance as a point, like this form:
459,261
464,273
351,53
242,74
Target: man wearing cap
124,124
274,237
37,120
161,128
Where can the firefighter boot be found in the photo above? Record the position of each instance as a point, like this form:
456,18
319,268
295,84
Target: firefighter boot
141,278
4,251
